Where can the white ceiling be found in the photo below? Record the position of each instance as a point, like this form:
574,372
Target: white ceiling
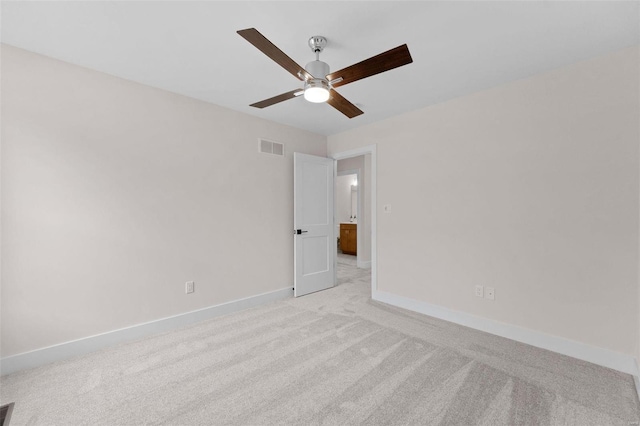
192,47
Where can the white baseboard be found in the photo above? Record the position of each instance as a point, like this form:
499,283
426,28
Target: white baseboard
85,345
363,264
600,356
636,378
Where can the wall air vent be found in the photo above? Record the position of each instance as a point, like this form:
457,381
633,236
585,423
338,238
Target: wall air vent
270,147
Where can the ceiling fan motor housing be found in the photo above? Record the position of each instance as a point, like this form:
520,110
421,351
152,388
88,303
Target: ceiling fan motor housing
317,69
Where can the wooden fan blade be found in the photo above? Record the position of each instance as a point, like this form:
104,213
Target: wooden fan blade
340,103
276,99
386,61
254,37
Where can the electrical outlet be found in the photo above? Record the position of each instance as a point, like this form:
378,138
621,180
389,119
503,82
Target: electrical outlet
490,293
479,290
189,287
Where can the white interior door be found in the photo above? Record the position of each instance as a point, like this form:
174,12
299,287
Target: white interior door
314,239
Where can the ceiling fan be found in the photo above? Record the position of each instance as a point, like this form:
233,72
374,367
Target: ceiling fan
319,84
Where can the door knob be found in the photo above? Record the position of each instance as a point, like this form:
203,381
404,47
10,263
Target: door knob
299,231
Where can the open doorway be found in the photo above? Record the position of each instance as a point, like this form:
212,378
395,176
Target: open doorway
348,208
315,234
355,218
347,198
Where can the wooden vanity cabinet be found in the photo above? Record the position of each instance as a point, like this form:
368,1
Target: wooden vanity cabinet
349,238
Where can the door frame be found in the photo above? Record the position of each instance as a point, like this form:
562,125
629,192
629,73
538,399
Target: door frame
368,149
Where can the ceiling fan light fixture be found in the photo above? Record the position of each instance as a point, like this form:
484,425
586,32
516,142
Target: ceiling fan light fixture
316,90
318,83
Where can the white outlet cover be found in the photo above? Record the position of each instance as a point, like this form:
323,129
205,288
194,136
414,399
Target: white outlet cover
490,293
479,290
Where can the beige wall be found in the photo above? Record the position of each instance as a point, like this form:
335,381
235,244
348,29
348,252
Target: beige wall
115,194
532,188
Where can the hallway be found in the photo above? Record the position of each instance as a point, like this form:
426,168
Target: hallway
347,271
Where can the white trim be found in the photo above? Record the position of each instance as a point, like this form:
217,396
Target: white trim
368,149
348,172
89,344
604,357
636,379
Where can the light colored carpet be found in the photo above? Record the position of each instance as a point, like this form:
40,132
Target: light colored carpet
333,357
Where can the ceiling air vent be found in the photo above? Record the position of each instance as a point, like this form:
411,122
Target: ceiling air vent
270,147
